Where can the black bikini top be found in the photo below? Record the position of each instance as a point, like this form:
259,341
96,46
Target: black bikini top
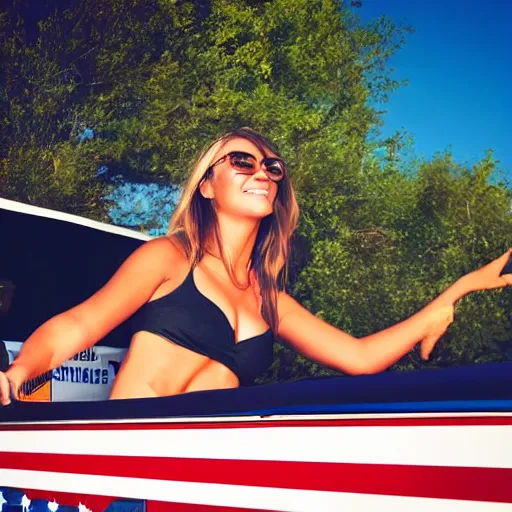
188,318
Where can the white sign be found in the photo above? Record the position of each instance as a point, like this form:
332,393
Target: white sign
87,376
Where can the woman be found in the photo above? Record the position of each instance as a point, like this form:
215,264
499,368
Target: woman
208,298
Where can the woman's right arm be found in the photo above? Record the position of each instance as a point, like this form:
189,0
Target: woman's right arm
82,326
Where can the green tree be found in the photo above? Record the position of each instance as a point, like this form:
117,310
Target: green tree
411,237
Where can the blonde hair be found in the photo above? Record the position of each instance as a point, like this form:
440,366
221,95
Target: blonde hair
194,226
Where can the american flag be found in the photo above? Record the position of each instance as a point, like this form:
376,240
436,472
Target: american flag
395,462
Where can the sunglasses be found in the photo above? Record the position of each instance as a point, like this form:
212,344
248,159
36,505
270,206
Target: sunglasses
246,163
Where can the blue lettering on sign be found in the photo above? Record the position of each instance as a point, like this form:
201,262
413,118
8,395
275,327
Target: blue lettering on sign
86,355
81,375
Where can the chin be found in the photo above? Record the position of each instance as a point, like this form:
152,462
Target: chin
260,213
251,211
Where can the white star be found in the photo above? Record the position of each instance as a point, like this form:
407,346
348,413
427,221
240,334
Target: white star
25,503
53,506
83,508
2,500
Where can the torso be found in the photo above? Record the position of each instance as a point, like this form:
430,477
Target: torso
154,366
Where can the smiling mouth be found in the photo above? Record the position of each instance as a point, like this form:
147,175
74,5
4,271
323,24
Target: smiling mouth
257,192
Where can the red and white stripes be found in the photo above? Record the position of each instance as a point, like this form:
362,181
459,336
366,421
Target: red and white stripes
462,464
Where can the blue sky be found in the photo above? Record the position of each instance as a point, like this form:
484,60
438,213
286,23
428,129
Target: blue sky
459,67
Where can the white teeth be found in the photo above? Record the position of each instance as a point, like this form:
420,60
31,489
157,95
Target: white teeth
257,191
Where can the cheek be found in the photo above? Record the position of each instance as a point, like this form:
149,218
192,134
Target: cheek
223,188
228,195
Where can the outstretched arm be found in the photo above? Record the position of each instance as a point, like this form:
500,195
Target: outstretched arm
332,347
81,327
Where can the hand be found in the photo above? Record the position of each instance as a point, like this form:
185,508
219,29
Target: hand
488,277
438,322
7,389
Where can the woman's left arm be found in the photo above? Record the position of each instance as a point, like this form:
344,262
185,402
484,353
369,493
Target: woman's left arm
332,347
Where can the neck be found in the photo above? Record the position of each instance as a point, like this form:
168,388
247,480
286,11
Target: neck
237,237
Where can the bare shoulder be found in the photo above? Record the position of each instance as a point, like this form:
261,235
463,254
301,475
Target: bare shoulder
160,254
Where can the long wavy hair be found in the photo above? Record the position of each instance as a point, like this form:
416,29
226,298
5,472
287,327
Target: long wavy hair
194,225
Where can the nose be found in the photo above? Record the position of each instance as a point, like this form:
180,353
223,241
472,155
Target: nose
261,174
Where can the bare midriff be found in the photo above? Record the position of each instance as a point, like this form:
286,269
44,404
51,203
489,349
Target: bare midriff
155,367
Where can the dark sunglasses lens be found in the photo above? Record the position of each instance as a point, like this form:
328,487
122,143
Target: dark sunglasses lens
246,162
275,169
243,162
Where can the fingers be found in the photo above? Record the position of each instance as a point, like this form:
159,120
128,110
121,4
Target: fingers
14,390
501,260
5,389
427,345
506,264
439,323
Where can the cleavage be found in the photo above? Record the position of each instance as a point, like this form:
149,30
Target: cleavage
205,282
